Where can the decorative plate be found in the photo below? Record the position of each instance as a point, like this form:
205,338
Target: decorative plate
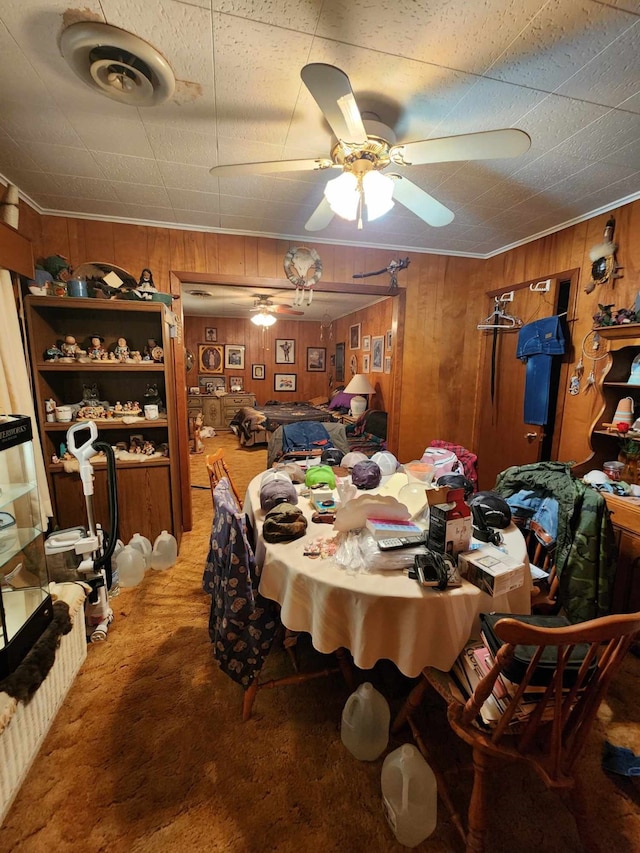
303,266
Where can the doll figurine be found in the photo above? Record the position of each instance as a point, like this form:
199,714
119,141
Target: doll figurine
146,288
96,350
122,350
69,347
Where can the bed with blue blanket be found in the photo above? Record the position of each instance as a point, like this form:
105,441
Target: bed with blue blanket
256,425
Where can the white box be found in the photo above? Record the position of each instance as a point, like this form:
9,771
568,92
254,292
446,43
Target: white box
491,570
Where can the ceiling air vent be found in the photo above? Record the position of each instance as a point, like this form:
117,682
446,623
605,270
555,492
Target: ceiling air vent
117,64
201,294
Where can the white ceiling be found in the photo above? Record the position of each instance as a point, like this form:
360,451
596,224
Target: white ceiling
565,71
223,301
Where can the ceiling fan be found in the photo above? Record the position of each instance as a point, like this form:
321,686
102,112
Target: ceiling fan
263,304
365,149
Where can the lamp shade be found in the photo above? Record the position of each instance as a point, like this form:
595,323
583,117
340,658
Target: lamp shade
359,385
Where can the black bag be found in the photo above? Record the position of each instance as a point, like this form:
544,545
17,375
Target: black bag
515,671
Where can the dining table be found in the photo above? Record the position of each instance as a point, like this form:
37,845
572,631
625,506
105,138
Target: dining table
375,615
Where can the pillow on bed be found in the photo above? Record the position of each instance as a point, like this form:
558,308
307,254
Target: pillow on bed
341,400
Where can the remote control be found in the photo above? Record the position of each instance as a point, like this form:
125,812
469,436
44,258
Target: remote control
400,542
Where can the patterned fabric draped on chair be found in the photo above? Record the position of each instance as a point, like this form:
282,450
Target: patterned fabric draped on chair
242,623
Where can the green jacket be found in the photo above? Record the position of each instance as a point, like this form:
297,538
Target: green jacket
585,549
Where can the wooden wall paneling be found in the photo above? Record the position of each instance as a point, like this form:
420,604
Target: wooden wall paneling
30,225
251,256
211,252
130,242
16,251
267,261
158,259
230,254
76,232
195,256
343,260
98,243
55,236
177,251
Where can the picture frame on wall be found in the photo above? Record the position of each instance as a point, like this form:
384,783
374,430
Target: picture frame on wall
234,356
377,354
210,358
258,371
340,348
387,364
366,343
388,339
366,363
210,335
212,382
285,351
236,384
316,359
285,381
354,336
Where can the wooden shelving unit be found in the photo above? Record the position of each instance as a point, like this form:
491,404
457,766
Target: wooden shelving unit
148,490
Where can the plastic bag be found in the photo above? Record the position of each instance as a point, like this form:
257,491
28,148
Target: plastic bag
349,556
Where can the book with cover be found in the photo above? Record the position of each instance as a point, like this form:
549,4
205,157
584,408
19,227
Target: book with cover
387,528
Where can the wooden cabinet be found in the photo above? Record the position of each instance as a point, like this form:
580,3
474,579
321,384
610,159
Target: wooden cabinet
148,488
625,516
218,412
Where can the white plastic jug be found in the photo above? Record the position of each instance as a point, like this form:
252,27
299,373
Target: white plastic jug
114,589
164,552
365,723
130,565
409,795
142,544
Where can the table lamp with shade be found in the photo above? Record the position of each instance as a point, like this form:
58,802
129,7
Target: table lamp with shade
359,385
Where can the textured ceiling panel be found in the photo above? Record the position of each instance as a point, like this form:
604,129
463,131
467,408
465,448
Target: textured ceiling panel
565,71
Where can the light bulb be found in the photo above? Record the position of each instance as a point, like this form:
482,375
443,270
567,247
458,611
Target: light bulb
378,192
343,196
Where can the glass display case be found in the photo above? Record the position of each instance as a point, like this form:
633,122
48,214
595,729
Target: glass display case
25,604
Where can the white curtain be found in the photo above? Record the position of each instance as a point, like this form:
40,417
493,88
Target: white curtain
15,389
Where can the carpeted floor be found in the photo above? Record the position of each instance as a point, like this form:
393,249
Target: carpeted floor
148,753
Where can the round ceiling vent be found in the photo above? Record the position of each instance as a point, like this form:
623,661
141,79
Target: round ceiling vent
117,64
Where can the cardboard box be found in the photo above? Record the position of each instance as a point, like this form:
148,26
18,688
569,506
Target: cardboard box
491,570
449,527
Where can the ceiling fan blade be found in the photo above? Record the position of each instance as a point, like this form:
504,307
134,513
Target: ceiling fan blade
332,92
234,170
487,145
320,217
421,203
286,309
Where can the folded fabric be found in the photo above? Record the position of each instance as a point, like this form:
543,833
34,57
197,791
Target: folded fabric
620,760
284,523
307,435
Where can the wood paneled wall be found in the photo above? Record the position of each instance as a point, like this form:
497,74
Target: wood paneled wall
374,321
445,301
260,349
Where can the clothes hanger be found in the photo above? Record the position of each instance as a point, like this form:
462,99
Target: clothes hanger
499,319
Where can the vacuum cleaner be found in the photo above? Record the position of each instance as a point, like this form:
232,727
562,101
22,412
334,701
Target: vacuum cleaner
84,553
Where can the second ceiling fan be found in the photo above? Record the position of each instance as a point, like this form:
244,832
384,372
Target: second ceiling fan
365,149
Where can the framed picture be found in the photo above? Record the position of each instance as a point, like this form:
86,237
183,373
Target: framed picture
211,382
194,389
285,382
387,364
340,362
285,351
234,356
366,343
316,359
210,358
235,383
210,335
388,339
366,363
257,371
377,353
354,336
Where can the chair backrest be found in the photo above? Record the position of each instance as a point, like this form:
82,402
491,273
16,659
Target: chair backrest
552,735
217,469
544,596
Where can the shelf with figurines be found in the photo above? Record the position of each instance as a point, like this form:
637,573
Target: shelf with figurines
68,353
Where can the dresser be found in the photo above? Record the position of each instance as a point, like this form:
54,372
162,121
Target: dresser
218,412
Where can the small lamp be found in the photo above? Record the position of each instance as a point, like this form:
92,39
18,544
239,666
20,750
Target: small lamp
359,385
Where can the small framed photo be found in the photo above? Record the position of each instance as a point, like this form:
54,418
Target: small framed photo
366,363
210,335
194,389
234,356
285,351
387,364
316,359
354,336
258,371
366,343
388,340
377,353
235,383
210,358
211,383
285,381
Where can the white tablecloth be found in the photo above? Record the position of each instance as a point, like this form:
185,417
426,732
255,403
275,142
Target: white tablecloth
374,615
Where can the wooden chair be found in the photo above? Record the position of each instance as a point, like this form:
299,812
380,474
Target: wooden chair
544,595
551,738
217,469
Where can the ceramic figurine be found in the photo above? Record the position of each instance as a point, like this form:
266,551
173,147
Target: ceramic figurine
122,351
146,288
70,347
96,350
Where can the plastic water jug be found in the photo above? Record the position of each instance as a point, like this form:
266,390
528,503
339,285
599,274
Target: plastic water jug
409,795
165,552
365,723
130,564
142,544
114,589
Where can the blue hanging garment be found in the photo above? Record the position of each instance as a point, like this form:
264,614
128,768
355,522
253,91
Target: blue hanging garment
538,342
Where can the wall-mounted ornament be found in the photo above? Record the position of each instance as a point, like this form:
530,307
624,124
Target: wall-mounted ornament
303,268
604,266
393,269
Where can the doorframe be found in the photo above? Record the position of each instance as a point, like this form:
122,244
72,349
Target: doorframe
179,277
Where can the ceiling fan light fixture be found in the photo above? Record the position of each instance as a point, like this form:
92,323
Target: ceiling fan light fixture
343,196
264,319
378,194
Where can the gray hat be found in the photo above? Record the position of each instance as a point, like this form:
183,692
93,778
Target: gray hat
276,492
